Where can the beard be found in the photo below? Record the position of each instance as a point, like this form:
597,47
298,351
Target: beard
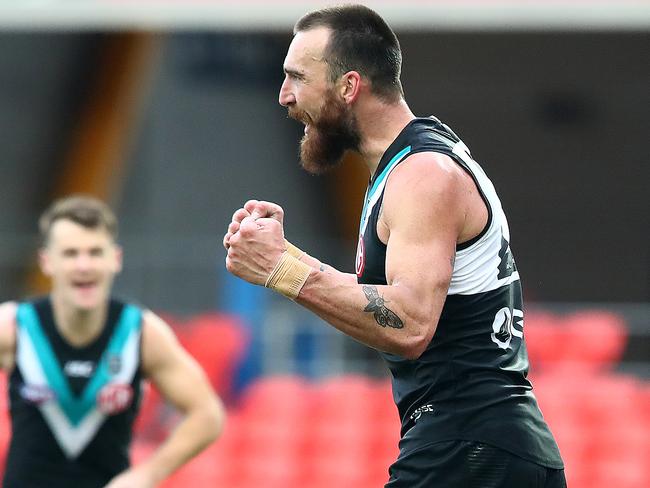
334,132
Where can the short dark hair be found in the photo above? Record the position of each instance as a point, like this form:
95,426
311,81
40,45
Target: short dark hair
85,210
360,41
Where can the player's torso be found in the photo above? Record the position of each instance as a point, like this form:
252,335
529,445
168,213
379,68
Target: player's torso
72,408
471,379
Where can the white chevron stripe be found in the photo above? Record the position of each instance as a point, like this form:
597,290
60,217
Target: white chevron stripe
72,439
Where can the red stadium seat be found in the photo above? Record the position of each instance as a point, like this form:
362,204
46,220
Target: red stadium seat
218,343
278,395
620,474
600,423
544,341
355,434
596,338
591,341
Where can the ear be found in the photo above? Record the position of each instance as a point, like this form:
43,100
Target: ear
118,258
351,86
44,261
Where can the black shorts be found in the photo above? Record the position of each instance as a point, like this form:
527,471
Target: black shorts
469,464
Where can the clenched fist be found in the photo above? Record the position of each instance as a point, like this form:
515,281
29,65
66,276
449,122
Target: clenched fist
255,241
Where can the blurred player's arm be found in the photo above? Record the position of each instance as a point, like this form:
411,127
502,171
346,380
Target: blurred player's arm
182,382
7,334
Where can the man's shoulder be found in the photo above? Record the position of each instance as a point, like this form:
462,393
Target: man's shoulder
427,187
427,173
155,330
8,312
7,333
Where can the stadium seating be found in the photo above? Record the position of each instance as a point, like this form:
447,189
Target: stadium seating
218,343
286,431
590,340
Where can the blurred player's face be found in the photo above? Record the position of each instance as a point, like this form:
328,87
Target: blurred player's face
82,264
330,125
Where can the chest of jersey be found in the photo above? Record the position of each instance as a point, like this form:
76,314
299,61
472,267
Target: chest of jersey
75,390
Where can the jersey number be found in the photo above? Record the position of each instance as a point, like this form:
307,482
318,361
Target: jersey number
507,324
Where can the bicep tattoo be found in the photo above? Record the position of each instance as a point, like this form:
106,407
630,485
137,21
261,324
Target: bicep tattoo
377,305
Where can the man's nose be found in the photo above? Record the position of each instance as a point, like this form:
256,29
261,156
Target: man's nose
286,97
83,262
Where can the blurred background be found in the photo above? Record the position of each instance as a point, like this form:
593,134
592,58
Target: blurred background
168,110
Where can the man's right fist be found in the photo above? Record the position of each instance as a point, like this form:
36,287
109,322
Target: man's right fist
261,209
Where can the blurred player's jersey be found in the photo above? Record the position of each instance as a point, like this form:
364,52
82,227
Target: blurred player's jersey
72,408
471,379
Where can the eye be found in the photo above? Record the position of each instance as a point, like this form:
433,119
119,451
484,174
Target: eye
295,76
97,252
69,253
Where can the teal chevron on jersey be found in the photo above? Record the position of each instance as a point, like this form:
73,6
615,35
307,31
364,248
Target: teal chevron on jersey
75,408
376,189
386,171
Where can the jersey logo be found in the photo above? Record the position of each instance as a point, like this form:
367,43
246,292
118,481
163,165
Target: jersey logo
415,416
114,398
507,265
360,262
507,324
79,369
36,394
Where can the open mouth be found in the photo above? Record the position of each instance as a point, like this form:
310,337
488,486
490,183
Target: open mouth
84,285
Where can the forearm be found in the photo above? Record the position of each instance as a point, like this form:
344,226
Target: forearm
194,433
386,317
318,265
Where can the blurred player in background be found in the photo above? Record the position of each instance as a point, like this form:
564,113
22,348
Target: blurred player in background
76,360
436,289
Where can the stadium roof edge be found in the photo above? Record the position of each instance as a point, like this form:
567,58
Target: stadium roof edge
233,15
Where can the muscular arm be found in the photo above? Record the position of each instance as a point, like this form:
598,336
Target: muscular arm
424,214
422,219
181,381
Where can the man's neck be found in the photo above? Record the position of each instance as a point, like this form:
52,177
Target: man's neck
379,125
78,327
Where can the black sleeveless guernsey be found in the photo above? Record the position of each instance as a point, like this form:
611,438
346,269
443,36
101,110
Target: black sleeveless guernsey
471,380
72,409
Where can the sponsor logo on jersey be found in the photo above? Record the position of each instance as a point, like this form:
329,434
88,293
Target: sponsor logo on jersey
79,369
360,262
507,264
113,399
415,416
36,394
114,363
